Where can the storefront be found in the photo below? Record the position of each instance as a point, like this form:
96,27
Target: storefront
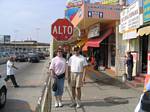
102,48
129,22
144,48
100,24
144,38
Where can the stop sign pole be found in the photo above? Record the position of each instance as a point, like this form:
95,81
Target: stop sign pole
62,30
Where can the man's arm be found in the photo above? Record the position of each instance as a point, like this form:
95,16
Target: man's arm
14,66
52,73
84,74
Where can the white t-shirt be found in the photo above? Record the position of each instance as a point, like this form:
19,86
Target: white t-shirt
58,64
77,63
10,69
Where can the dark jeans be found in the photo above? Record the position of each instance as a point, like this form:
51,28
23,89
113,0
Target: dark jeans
12,77
130,69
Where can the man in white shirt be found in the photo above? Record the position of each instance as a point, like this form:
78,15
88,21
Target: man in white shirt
10,71
76,69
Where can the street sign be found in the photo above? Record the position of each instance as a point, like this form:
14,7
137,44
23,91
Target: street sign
62,29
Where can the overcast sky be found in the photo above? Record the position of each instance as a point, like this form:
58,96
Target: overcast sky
29,19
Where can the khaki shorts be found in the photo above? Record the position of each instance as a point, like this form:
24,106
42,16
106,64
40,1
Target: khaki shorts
76,80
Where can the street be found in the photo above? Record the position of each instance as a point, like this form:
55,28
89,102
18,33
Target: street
31,78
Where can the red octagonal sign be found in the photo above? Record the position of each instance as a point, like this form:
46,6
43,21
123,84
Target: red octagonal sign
62,29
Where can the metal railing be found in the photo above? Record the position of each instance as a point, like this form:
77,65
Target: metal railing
44,102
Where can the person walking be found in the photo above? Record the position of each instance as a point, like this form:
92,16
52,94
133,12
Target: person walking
57,69
10,71
129,62
76,69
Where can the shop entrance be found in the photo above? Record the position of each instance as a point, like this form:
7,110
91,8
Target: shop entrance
143,52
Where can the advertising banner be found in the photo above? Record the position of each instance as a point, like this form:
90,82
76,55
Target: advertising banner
135,59
148,64
110,1
130,18
146,14
74,3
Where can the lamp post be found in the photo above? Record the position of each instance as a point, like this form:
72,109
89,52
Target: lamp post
37,33
15,37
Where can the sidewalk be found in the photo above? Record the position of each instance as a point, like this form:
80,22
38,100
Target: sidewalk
101,93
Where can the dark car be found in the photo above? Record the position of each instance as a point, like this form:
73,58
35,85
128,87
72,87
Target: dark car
21,58
33,57
41,55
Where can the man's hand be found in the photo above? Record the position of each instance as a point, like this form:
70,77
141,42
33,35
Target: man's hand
83,80
15,67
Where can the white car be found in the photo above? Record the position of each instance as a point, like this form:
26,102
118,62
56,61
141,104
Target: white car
3,92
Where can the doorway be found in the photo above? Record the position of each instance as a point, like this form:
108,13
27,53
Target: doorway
144,53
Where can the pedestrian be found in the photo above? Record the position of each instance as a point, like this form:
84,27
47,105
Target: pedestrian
129,62
144,101
57,70
76,69
11,72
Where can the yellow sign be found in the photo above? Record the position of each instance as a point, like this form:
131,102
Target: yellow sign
110,1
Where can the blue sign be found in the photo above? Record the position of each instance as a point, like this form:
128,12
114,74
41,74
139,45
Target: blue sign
146,14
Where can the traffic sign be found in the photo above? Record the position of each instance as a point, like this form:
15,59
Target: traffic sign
62,29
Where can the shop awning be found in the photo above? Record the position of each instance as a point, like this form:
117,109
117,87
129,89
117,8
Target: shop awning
85,48
144,31
96,41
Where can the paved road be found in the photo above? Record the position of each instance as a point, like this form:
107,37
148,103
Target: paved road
31,78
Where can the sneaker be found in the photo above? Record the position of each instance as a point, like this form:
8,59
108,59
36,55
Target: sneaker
60,104
78,105
56,105
17,86
72,105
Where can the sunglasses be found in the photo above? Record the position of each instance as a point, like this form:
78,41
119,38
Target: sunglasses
59,51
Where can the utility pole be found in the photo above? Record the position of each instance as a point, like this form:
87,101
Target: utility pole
37,33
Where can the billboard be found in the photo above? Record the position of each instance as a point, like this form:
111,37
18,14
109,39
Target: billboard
74,3
110,2
71,12
72,8
146,14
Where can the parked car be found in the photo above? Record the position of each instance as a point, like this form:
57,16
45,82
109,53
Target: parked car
21,58
33,57
41,55
3,92
3,58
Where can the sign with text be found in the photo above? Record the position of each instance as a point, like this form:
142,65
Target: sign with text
74,3
146,14
94,31
148,64
130,18
62,30
110,2
101,11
